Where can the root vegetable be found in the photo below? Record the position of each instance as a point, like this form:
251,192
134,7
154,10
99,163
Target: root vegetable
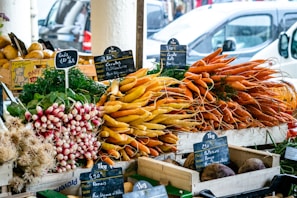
215,171
251,164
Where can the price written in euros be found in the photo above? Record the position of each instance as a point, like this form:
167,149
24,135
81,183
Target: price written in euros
65,58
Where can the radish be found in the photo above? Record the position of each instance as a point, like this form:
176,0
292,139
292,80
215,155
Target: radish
39,111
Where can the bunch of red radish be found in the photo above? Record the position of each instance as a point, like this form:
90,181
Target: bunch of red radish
73,131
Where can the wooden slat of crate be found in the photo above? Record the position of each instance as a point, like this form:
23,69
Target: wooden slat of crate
189,180
4,191
88,70
5,173
242,137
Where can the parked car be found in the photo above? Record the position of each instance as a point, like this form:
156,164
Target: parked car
283,54
61,22
240,28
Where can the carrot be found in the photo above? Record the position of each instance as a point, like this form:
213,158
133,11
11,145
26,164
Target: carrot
128,86
192,75
127,118
201,83
208,68
237,85
220,78
168,139
260,115
111,108
134,93
136,144
130,151
154,125
244,98
199,63
142,80
237,70
139,73
132,105
90,163
113,123
107,159
124,155
150,142
188,93
154,152
191,86
108,146
212,55
208,80
227,115
168,147
136,111
102,100
209,116
114,153
208,94
117,136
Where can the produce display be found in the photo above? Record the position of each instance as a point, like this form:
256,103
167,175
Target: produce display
139,115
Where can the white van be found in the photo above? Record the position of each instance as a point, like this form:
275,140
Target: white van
283,54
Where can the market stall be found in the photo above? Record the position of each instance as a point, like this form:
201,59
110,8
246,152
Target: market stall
65,126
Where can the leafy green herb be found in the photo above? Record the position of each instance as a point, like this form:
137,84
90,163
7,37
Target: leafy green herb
53,80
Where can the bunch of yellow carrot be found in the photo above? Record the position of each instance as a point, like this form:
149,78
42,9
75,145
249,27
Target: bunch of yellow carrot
137,113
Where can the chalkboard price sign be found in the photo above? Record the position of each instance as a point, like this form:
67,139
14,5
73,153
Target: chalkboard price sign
173,55
153,192
211,150
102,181
66,59
114,63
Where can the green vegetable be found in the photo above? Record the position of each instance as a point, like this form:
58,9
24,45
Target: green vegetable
53,80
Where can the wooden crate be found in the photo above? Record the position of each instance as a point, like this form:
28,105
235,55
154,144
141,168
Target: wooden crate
242,137
88,70
69,182
6,174
189,180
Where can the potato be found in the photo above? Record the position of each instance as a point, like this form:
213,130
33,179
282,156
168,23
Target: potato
6,65
4,41
2,54
215,171
10,52
190,162
251,164
35,46
3,61
35,54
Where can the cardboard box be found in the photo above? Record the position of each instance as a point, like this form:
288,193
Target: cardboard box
24,71
189,180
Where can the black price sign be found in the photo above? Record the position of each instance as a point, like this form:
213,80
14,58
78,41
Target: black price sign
173,55
66,59
152,192
102,181
114,63
211,150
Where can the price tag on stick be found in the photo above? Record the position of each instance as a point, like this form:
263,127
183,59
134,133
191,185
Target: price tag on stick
65,60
